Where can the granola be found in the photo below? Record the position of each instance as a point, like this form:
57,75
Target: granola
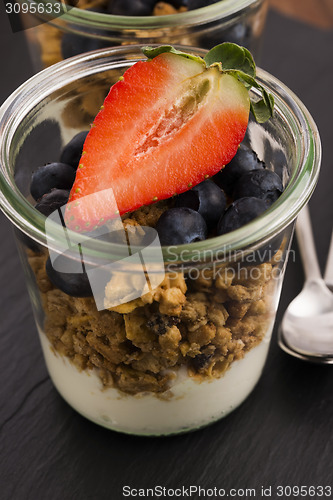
203,324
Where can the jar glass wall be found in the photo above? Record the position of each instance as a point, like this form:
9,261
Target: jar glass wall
82,30
190,350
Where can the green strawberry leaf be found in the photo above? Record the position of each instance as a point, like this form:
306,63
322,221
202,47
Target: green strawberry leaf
261,109
152,52
232,56
249,64
238,62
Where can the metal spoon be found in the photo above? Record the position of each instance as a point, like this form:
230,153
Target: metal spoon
306,330
328,277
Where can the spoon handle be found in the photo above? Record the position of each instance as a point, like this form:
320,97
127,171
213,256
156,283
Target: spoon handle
328,277
306,245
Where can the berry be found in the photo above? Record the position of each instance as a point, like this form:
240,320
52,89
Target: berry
52,201
197,4
260,183
207,199
181,225
73,284
239,213
239,33
244,161
178,3
73,45
72,152
189,120
132,7
47,204
52,175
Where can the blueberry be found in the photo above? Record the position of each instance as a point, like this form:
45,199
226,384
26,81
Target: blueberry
207,199
52,201
197,4
239,33
239,213
178,3
244,161
73,45
181,225
132,7
72,152
53,175
48,203
259,183
73,284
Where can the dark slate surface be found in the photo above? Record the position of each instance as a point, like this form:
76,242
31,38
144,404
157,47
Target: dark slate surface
282,434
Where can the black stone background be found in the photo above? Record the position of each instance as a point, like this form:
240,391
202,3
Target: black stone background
281,435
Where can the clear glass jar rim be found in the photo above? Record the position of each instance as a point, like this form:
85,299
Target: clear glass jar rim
280,215
83,17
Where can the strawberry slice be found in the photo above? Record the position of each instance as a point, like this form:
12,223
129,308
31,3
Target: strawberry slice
168,124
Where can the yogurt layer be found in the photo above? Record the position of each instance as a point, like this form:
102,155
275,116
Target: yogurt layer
192,404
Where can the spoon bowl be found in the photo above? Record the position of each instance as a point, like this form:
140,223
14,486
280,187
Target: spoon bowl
307,325
306,330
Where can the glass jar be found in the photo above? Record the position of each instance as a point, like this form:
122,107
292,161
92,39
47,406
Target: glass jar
189,350
81,30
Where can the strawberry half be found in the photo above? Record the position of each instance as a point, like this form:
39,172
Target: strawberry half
168,124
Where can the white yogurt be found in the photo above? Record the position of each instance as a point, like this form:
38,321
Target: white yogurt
192,405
